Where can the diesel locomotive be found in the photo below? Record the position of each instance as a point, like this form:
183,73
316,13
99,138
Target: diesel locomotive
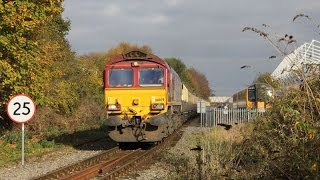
144,98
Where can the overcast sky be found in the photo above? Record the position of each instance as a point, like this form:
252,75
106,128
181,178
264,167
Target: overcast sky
204,34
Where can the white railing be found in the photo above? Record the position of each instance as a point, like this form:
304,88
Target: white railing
312,53
303,57
216,116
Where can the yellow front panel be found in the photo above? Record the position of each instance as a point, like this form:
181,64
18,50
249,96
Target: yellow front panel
260,105
145,97
250,105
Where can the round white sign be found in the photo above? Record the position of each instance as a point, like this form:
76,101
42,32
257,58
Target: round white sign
21,108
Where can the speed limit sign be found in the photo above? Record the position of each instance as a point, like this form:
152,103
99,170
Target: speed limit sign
21,108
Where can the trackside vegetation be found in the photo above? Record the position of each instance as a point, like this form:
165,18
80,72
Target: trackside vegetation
285,142
282,144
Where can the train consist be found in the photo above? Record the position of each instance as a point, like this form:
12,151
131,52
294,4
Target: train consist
253,97
144,98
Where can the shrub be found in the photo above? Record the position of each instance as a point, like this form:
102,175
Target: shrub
285,142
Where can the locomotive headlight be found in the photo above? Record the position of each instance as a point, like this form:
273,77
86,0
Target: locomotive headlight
114,107
134,64
157,106
135,102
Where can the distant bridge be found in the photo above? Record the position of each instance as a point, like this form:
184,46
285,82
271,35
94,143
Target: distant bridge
219,101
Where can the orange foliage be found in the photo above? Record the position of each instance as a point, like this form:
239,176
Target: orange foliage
200,83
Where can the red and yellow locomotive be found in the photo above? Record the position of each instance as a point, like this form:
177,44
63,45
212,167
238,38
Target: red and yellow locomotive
142,98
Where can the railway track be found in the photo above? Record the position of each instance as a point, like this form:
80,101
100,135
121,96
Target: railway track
112,163
65,172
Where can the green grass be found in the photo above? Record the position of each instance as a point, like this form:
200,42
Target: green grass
35,146
11,152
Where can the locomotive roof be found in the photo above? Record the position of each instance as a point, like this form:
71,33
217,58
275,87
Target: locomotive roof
137,56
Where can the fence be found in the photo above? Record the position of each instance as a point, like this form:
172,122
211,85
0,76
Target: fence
215,116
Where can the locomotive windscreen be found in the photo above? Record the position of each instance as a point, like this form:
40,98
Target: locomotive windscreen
151,77
252,93
120,77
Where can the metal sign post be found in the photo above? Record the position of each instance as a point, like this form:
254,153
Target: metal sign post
201,118
201,108
21,109
22,146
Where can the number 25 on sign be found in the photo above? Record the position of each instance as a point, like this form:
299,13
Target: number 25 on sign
21,109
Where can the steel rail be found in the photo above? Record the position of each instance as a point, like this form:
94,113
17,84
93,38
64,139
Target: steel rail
102,167
132,163
78,166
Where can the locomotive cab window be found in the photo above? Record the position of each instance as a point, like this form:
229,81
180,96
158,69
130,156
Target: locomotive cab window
252,94
151,77
120,77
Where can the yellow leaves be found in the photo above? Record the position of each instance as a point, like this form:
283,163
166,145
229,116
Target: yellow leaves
312,132
1,6
26,14
23,65
7,74
296,124
314,167
52,51
308,131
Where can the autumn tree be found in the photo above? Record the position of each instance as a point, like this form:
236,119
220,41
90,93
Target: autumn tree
266,78
200,83
31,44
124,47
182,71
195,81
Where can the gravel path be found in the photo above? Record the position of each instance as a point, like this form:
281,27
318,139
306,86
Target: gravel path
44,165
38,166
